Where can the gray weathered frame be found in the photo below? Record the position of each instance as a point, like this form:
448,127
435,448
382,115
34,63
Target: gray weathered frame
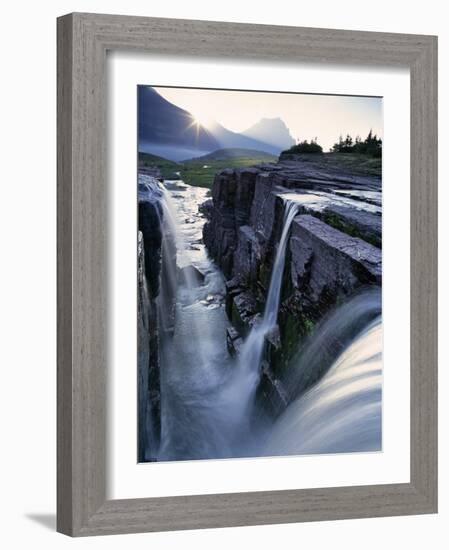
83,40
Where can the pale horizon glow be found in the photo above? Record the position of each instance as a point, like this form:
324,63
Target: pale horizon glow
307,116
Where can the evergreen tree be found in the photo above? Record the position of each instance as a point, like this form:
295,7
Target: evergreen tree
372,145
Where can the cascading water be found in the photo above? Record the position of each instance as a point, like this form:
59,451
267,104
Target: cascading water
198,419
252,349
207,397
342,412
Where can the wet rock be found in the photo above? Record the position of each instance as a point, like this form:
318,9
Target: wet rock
242,310
148,367
323,259
156,257
150,215
357,223
273,337
263,208
247,256
246,180
271,392
233,341
206,208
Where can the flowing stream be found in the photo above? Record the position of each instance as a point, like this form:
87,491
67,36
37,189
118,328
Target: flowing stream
207,397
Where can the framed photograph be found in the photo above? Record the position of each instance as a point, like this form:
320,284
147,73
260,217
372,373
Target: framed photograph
247,274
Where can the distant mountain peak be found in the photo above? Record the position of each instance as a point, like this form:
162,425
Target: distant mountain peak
172,132
271,130
275,119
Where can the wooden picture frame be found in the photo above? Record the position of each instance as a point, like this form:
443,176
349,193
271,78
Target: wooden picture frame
83,40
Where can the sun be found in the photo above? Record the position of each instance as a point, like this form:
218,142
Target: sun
202,119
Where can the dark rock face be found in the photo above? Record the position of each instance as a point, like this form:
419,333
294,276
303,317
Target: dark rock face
150,263
147,364
332,253
149,222
323,258
233,341
358,223
232,196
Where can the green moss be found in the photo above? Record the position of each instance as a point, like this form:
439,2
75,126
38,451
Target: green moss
294,330
308,325
338,223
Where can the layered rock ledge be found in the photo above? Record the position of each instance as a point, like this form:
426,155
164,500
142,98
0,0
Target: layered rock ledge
334,249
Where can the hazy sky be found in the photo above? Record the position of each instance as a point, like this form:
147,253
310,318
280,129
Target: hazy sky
306,116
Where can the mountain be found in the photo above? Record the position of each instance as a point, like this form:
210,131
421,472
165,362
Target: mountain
165,128
228,139
234,153
171,132
272,131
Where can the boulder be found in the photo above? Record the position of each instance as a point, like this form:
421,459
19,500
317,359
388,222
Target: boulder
206,208
234,341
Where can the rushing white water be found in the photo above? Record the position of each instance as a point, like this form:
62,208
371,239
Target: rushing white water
342,412
252,349
199,419
207,398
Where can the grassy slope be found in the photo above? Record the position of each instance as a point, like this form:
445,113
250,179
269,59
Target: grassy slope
193,171
360,164
201,171
167,167
231,153
355,163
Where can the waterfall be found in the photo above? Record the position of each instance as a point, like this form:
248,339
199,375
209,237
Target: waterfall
252,349
342,411
197,414
207,397
274,292
169,276
330,338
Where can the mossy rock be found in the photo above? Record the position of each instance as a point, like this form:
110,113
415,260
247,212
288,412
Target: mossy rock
350,229
294,329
